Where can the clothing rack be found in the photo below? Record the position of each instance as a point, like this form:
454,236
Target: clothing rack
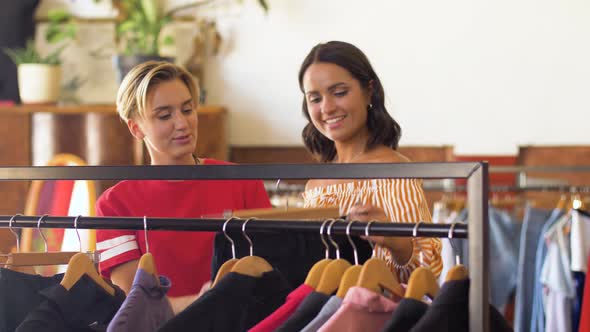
476,174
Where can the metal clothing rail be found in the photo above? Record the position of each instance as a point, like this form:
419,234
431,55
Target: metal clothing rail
476,174
215,225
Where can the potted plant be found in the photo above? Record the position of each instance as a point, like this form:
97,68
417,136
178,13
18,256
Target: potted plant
39,76
139,31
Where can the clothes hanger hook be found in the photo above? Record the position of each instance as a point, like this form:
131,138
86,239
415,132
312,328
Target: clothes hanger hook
40,232
77,233
451,232
278,193
13,232
323,239
145,235
246,235
367,232
332,240
415,235
233,245
354,250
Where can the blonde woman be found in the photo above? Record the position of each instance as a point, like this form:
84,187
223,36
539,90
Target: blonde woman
158,101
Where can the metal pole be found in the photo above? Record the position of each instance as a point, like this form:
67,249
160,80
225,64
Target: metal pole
477,200
215,225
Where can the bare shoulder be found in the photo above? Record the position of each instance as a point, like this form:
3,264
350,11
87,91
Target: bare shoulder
314,183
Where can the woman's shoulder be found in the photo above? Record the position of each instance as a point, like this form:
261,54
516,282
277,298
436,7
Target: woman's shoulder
387,155
210,161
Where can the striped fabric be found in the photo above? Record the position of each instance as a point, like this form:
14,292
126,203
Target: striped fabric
402,200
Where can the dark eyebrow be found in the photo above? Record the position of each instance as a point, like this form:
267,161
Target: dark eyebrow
168,107
330,88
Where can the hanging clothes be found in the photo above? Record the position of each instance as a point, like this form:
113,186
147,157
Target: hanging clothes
278,317
86,306
504,233
361,310
408,313
20,295
538,310
532,226
449,311
236,303
557,278
585,316
146,308
328,310
305,313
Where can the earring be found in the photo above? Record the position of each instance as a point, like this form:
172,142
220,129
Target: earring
370,107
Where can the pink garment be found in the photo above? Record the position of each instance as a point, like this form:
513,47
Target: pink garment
361,310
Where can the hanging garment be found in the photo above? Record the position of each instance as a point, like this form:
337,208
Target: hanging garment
532,226
579,281
407,314
449,311
361,310
328,310
580,250
85,307
305,313
402,200
20,295
184,257
503,239
585,316
146,308
293,255
538,310
236,303
278,317
560,288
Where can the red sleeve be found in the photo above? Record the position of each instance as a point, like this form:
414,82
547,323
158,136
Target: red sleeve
115,246
256,196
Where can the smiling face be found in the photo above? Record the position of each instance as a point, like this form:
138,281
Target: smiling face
336,102
169,126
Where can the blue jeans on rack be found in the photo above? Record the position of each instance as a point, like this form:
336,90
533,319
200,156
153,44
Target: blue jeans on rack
532,227
504,234
537,319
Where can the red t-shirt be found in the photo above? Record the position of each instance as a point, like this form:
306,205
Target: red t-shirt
184,257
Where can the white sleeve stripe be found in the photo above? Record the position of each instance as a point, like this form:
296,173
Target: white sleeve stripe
118,250
110,243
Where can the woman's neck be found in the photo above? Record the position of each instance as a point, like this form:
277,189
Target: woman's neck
188,160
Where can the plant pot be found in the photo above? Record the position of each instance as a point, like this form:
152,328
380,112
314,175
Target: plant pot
124,63
39,83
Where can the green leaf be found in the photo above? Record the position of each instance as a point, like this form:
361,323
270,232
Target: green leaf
150,9
58,15
168,40
264,5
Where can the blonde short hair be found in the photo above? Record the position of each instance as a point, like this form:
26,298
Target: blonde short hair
133,91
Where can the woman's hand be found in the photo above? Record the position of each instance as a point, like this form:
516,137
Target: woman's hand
401,247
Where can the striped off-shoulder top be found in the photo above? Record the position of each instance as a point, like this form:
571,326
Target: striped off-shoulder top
402,200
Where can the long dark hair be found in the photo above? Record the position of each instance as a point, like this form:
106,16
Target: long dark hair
383,129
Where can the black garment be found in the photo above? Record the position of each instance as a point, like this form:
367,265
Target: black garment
406,315
85,307
305,312
293,254
20,295
450,311
17,24
236,303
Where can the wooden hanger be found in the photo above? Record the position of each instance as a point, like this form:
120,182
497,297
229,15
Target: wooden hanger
315,273
146,262
376,276
332,274
320,213
459,271
422,282
80,265
227,266
351,275
252,266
